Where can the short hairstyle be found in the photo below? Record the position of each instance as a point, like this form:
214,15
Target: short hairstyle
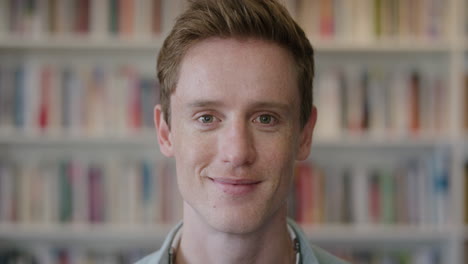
260,19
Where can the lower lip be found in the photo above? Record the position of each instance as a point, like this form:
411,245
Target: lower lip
236,189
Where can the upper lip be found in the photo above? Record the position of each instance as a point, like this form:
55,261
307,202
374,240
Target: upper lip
234,181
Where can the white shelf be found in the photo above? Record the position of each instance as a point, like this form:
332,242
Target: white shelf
142,236
80,44
140,139
381,46
365,142
92,44
377,234
132,235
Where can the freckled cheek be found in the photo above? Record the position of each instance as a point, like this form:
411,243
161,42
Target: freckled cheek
194,150
276,149
279,158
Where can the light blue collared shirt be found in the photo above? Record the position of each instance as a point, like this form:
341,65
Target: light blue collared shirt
308,254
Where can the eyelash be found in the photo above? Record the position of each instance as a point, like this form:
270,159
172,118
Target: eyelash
273,119
207,115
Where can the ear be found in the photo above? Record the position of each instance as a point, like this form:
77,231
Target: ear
164,132
306,136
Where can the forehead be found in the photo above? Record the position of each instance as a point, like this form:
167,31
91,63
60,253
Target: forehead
244,69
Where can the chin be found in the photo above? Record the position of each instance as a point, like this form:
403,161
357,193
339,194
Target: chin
243,220
235,223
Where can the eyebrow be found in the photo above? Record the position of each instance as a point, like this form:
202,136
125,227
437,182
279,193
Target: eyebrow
205,103
281,106
213,103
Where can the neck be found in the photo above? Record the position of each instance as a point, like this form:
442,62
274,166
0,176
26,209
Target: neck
200,243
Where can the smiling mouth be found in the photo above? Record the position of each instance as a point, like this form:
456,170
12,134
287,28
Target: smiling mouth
235,187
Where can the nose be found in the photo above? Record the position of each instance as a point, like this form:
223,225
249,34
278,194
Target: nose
237,144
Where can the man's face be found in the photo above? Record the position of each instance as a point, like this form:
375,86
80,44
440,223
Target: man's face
235,131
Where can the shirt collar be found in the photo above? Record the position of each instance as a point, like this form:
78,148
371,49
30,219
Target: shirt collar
301,245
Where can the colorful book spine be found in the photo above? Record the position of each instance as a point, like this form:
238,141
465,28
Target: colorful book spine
6,98
83,16
126,15
113,16
466,193
18,97
44,101
65,192
374,198
96,194
304,196
466,103
156,15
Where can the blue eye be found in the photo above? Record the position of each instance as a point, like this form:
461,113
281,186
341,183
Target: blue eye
265,119
206,119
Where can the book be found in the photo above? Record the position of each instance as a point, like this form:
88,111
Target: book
113,17
99,19
8,203
377,103
466,103
144,18
415,101
308,16
4,18
328,104
126,14
156,15
304,193
465,169
82,17
354,102
96,183
66,192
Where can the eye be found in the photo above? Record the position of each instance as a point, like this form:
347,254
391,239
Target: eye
265,119
206,119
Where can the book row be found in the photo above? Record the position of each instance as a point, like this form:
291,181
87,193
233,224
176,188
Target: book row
89,192
86,100
50,255
413,192
418,255
122,191
381,101
122,18
368,20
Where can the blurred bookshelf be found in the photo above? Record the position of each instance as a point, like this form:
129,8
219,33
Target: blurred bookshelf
387,180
